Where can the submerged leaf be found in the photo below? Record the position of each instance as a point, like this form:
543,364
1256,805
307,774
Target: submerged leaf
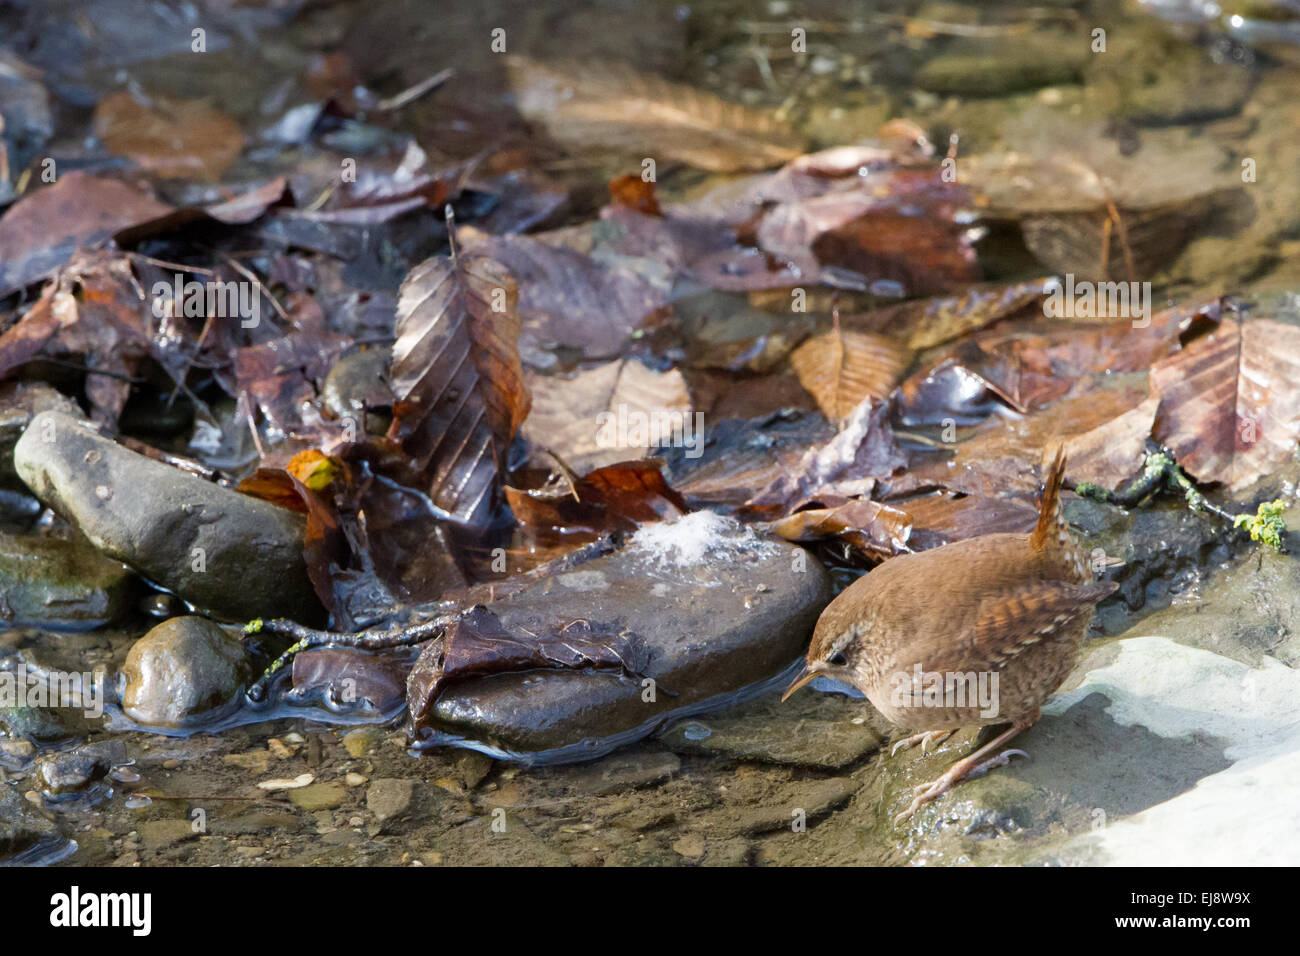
609,106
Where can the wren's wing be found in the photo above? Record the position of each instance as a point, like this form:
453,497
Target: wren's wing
1007,624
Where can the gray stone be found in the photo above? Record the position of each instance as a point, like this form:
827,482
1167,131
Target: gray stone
729,612
160,834
25,835
181,671
75,770
50,582
45,725
389,798
827,744
623,772
995,68
357,385
227,553
804,802
19,401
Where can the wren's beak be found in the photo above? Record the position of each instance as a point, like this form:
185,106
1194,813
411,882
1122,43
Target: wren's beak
808,673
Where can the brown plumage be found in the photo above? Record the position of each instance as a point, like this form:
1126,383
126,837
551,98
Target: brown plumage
923,634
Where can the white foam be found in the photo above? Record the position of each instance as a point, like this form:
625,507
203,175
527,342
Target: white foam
698,537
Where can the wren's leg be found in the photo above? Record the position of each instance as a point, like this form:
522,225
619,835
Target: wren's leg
974,765
924,739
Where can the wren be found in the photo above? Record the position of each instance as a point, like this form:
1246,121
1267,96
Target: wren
920,632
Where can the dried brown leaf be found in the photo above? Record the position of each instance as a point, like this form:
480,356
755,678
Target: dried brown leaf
458,379
1230,402
841,368
598,416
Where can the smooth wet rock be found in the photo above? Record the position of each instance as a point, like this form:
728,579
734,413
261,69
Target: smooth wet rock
619,772
720,609
1248,611
827,744
1239,815
357,388
995,68
1165,551
160,834
46,725
25,835
19,402
56,583
318,796
181,671
224,552
75,770
390,798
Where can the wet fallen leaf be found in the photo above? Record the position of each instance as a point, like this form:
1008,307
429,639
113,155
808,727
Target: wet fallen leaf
636,193
618,497
607,106
478,643
849,465
169,137
1230,402
95,310
569,299
460,389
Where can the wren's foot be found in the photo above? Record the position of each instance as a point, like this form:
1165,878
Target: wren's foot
972,766
924,739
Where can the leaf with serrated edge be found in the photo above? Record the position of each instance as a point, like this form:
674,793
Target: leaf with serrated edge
840,369
458,379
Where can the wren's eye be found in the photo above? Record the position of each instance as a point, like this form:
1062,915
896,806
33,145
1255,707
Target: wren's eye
837,660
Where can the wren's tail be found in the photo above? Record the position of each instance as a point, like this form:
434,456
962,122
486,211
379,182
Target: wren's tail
1051,522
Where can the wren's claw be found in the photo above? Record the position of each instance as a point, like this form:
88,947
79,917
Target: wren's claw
1001,760
923,739
971,766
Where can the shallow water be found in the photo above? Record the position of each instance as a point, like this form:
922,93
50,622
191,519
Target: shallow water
669,799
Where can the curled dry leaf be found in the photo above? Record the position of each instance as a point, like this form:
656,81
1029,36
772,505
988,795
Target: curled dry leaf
95,309
841,368
459,384
872,529
849,465
1003,459
618,497
612,412
604,106
941,518
1230,402
42,230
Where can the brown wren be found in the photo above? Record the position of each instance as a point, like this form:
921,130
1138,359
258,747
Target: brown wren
927,636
